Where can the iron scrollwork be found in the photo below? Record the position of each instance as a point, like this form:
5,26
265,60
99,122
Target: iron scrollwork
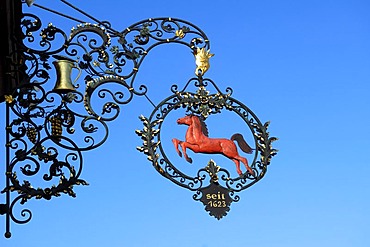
48,129
221,186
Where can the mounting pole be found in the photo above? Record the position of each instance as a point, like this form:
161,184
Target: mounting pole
11,61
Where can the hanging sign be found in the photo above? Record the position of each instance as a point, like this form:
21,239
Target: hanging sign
213,184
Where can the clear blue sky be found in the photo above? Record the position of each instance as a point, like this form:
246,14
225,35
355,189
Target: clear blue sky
303,65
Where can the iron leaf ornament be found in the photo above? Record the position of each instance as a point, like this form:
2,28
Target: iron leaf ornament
212,184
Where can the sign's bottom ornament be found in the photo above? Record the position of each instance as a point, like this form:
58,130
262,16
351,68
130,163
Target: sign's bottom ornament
215,198
213,185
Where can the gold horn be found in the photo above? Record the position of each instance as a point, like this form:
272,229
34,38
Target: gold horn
63,67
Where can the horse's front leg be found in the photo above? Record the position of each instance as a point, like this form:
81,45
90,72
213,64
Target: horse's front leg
194,147
183,147
176,142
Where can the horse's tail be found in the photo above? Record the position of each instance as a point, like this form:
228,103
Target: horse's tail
242,143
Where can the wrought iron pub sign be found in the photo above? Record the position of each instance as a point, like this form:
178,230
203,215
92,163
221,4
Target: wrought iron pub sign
49,128
213,184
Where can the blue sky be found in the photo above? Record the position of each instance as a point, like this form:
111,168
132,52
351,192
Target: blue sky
303,65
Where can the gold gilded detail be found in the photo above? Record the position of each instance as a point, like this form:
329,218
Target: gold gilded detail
56,126
180,33
31,133
212,170
63,67
9,99
202,60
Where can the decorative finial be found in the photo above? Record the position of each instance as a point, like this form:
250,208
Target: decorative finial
202,60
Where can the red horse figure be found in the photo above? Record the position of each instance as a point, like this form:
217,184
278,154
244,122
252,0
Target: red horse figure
197,140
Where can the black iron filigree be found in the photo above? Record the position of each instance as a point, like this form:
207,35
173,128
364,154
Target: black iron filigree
47,128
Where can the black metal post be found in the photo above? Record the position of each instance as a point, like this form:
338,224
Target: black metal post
7,160
11,61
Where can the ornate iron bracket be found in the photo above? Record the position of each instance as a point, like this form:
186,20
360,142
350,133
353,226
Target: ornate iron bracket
49,127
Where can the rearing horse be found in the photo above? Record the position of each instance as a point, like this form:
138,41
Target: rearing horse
197,140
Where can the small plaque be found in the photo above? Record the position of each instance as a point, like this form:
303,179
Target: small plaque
216,200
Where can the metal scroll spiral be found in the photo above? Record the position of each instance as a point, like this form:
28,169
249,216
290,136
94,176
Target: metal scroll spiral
203,103
49,131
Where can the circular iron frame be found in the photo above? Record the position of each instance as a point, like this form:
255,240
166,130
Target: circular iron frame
204,104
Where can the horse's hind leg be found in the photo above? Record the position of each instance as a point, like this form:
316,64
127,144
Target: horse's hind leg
237,163
176,143
245,162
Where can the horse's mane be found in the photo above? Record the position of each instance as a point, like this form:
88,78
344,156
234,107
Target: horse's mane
203,125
